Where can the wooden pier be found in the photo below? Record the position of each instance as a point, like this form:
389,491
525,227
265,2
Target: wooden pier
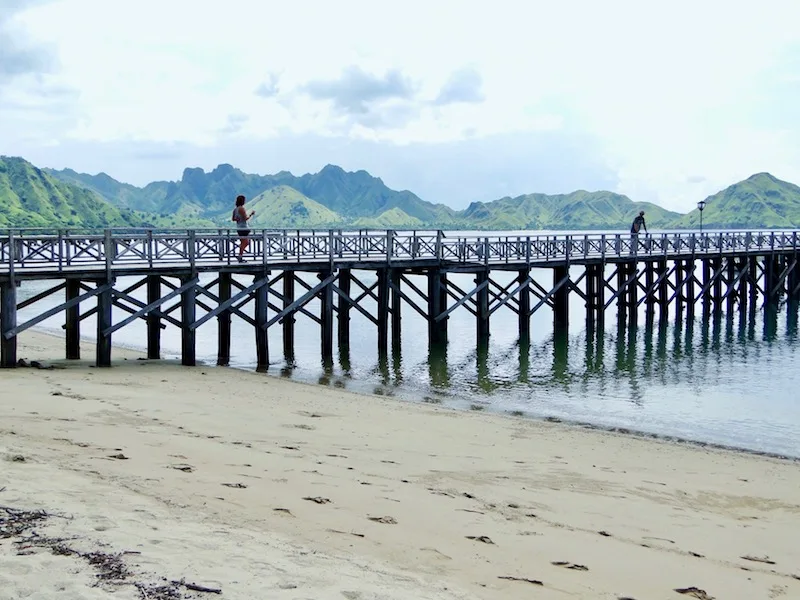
723,271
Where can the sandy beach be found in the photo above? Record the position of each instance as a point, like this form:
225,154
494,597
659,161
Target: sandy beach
261,487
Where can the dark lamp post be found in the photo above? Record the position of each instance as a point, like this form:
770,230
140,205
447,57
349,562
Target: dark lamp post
700,206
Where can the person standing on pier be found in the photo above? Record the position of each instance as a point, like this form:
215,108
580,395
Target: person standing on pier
241,217
637,225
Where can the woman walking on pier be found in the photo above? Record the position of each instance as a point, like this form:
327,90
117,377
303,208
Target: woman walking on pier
241,217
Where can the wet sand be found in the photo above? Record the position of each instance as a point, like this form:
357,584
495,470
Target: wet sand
267,488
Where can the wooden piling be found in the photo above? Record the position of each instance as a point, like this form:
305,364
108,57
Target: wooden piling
732,273
103,348
793,280
741,292
396,308
482,297
260,317
437,330
662,274
326,318
153,319
633,293
650,294
343,306
622,297
706,266
73,321
8,321
680,298
689,288
289,320
443,305
383,311
524,307
224,286
561,299
188,316
716,296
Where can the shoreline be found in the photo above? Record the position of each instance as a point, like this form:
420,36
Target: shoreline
570,423
255,485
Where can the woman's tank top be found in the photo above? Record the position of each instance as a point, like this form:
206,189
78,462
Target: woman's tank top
241,222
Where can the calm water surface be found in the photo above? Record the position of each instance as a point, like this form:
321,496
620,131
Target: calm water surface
725,379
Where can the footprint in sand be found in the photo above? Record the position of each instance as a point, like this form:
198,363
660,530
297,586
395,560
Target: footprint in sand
569,565
694,592
436,553
485,539
387,520
317,499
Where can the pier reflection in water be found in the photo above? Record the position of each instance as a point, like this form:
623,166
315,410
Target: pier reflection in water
716,377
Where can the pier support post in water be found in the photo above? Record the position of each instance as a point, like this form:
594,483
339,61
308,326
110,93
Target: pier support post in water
662,274
561,298
742,264
73,321
633,293
622,296
188,316
396,301
153,320
345,279
595,294
326,318
524,307
383,312
288,320
772,273
482,279
8,321
650,293
437,304
104,304
793,281
224,321
689,267
730,292
716,267
262,340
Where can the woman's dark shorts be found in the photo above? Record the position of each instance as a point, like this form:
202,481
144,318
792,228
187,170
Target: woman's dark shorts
243,232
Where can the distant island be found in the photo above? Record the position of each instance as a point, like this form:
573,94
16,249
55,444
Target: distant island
334,198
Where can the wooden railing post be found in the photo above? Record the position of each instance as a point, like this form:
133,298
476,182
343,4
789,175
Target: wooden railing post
190,250
108,252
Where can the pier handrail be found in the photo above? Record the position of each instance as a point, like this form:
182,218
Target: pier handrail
28,250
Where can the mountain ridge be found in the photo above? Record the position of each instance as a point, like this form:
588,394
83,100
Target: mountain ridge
333,197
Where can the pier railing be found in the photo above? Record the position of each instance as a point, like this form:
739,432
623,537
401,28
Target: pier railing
64,250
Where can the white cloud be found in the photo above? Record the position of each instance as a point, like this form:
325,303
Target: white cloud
676,94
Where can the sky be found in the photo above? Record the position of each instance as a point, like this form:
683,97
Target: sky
455,100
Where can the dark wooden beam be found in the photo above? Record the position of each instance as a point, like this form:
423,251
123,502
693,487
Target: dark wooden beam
153,318
224,289
73,320
261,331
188,319
8,322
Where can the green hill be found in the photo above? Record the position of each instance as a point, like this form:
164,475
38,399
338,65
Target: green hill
359,194
285,207
578,210
29,197
394,218
760,201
